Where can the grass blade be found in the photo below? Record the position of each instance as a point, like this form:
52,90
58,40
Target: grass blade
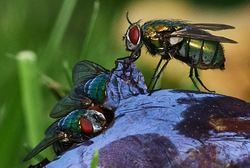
2,113
59,27
94,15
95,160
30,95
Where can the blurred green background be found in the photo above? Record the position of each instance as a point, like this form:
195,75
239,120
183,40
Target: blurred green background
62,32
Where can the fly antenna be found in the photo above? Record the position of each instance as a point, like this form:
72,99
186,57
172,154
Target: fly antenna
138,21
128,19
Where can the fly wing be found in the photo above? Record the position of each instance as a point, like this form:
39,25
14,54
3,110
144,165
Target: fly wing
190,32
40,147
46,142
52,129
211,26
69,103
85,70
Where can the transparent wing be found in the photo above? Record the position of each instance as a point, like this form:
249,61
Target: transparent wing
69,103
85,70
52,135
211,26
190,32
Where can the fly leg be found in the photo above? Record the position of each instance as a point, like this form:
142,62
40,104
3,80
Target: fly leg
136,53
199,80
156,77
191,77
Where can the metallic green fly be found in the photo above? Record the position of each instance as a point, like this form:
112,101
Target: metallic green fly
91,79
177,39
80,113
89,89
76,127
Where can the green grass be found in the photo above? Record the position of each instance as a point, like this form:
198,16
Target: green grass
30,95
59,28
85,46
95,160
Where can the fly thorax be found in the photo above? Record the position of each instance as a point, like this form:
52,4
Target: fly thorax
87,86
95,88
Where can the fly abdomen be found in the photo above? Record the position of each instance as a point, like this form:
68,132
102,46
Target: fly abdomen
202,54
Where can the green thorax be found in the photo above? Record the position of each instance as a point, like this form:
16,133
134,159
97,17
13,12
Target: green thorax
71,122
202,54
156,24
150,30
95,88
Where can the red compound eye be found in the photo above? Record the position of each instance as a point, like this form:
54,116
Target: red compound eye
134,34
86,126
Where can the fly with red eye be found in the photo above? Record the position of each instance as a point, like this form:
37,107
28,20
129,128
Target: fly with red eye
76,127
187,42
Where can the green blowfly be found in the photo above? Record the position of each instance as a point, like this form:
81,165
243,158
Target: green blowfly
89,90
76,127
187,42
80,114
